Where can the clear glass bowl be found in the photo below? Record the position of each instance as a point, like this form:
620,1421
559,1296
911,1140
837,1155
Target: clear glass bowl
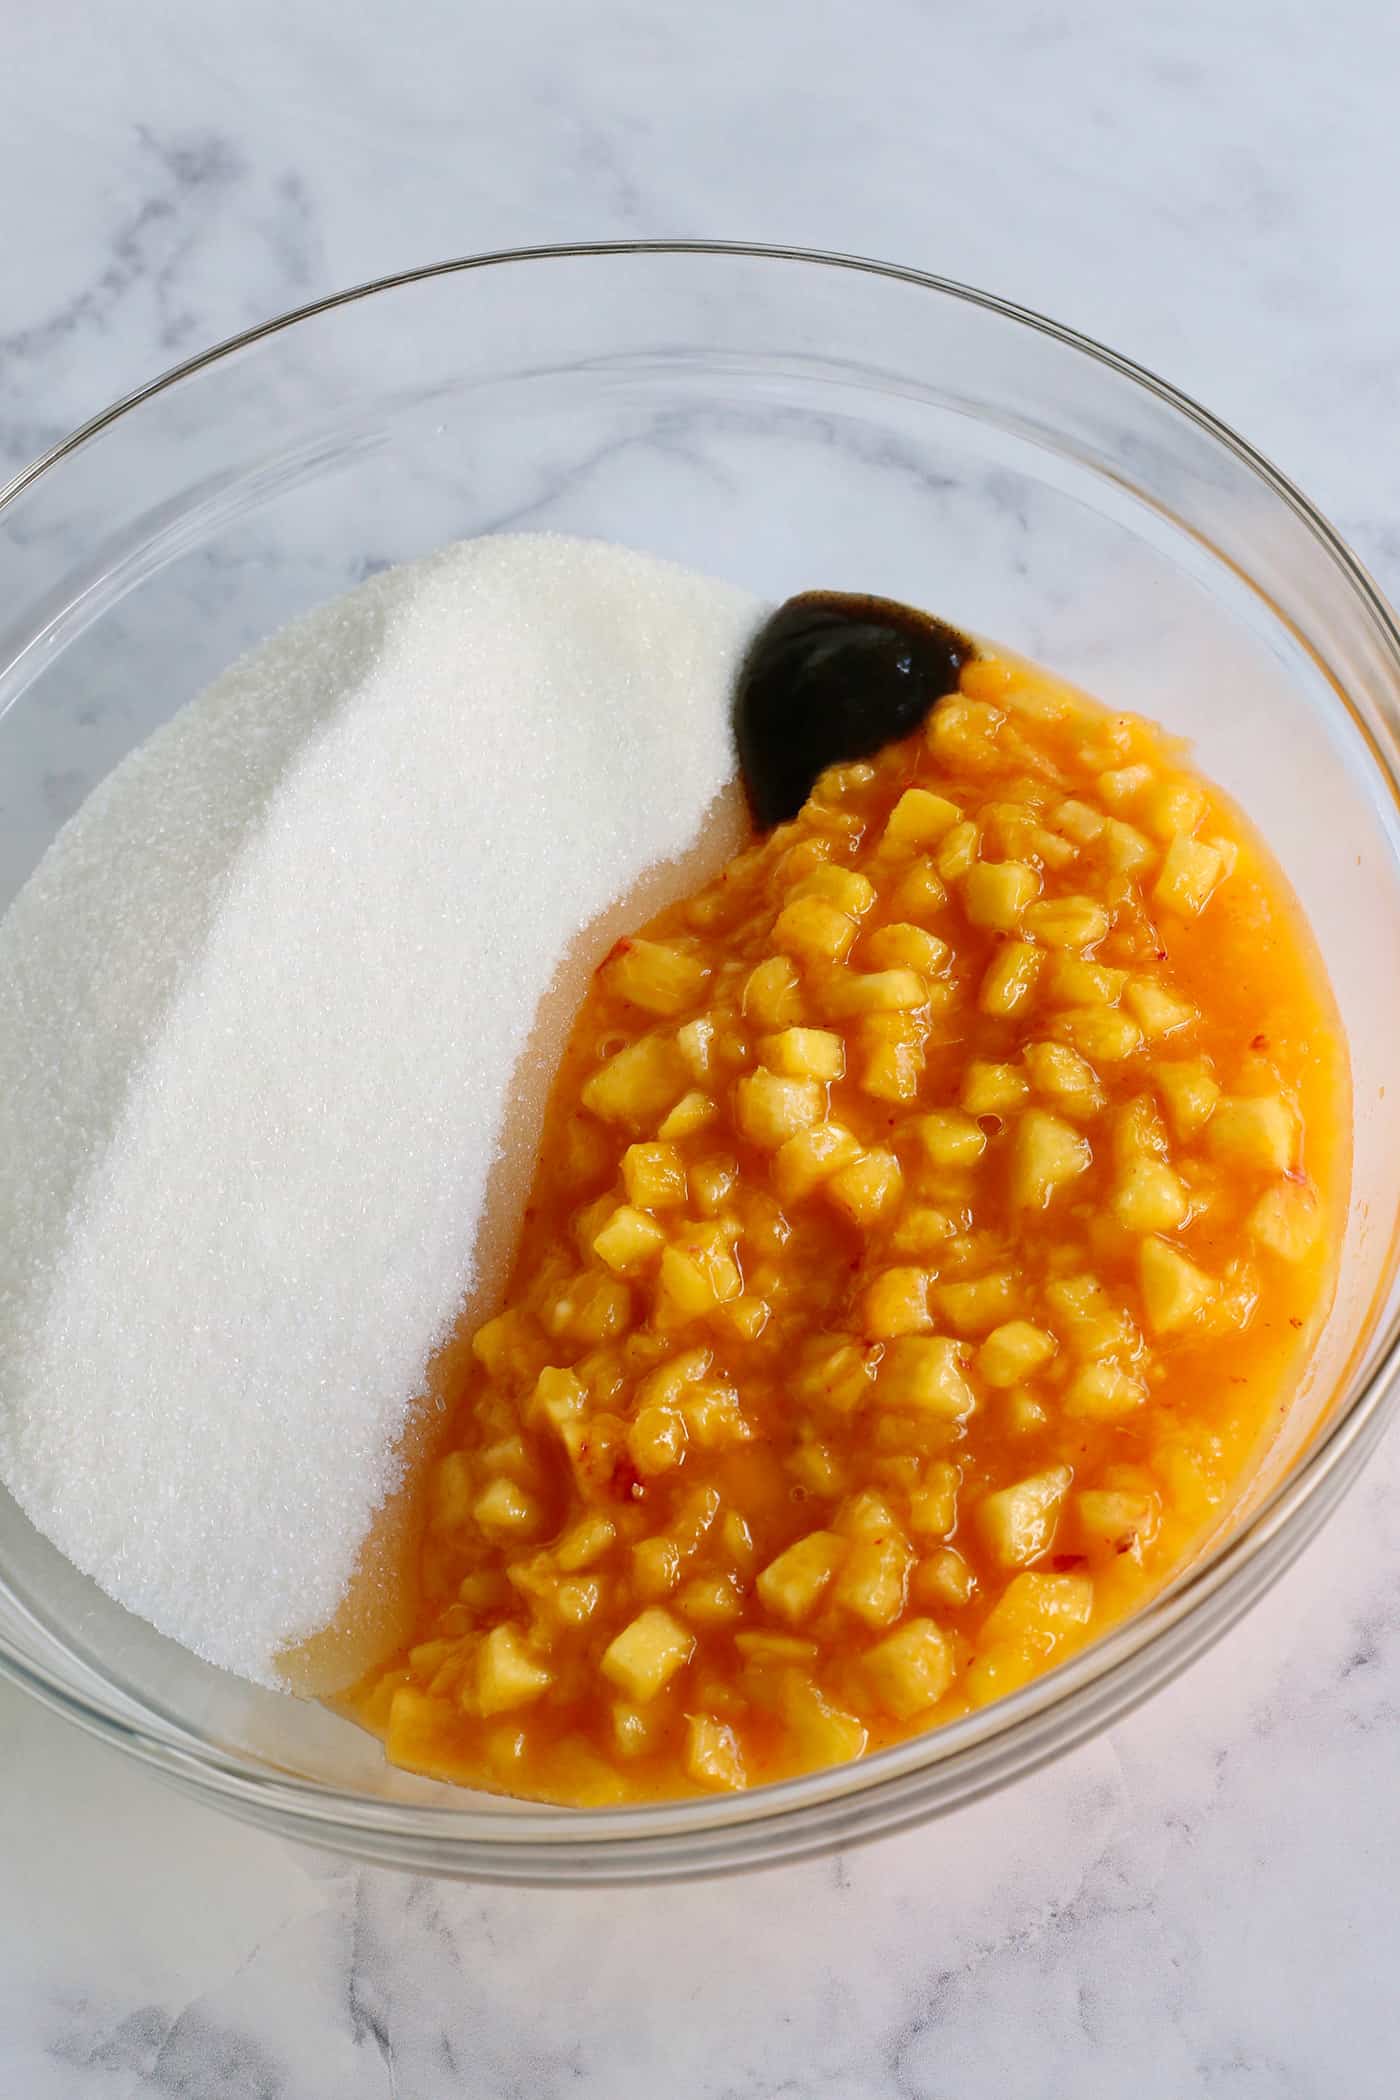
786,420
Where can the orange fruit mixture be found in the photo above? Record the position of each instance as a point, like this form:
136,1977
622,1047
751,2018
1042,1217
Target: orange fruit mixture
932,1217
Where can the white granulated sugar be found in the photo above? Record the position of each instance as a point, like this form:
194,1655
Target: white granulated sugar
264,1012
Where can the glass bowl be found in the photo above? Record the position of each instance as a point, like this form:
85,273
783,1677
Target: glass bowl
786,420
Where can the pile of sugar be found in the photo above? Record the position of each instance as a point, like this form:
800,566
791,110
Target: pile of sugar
271,1008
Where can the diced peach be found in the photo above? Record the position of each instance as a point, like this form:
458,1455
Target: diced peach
924,1373
996,893
851,992
773,993
561,1397
791,1586
647,1654
823,1733
1071,981
1124,848
1116,1521
1156,1010
835,1376
1150,1198
1254,1131
804,1053
1066,922
976,1305
1047,1155
920,818
770,1109
944,1579
919,894
1175,1292
812,1157
656,976
1018,1523
907,947
949,1139
629,1240
814,931
653,1176
912,1669
1064,1077
868,1188
933,1506
893,1046
1013,1352
1287,1220
1103,1392
638,1085
990,1089
957,851
872,1581
507,1675
694,1111
1189,1092
1010,979
895,1303
850,892
712,1755
1036,1606
1086,1318
507,1509
1190,874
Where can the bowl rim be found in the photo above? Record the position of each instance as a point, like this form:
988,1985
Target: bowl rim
911,1780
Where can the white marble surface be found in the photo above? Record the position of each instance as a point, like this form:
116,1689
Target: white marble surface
1204,1902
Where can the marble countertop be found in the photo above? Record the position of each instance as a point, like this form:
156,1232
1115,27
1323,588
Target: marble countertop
1205,1900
